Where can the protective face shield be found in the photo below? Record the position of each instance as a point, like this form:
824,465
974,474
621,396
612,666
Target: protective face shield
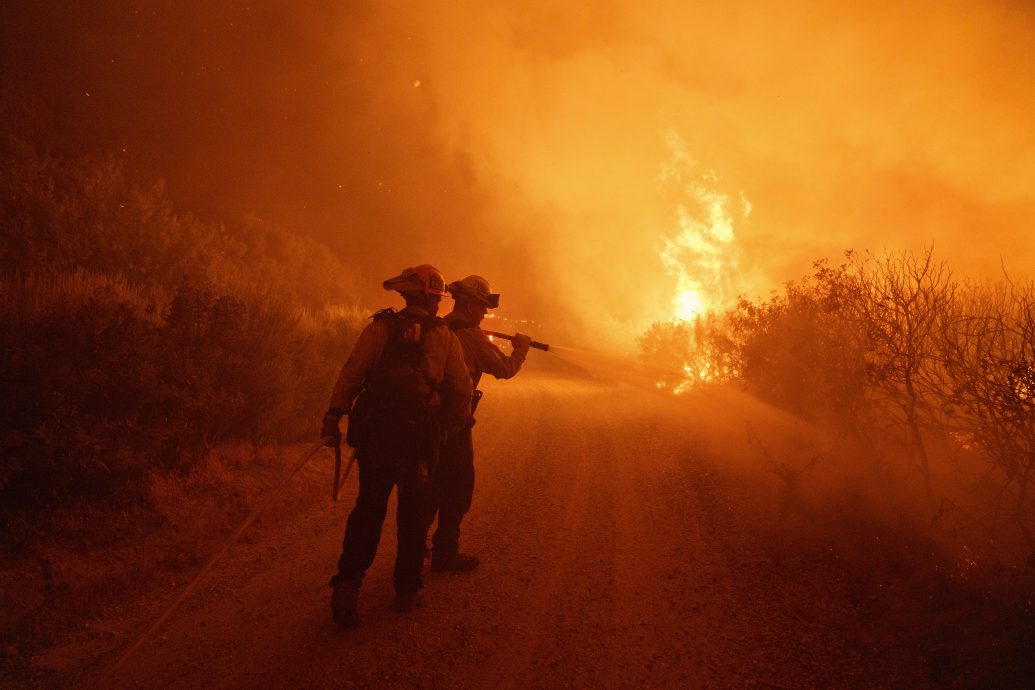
474,288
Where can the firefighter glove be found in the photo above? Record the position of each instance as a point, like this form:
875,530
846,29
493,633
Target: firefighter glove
330,429
521,343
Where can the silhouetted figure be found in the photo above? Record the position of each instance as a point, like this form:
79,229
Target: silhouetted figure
453,484
403,386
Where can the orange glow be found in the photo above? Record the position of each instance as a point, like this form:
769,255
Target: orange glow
522,141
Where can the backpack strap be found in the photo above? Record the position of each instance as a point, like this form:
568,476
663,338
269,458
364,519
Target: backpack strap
399,326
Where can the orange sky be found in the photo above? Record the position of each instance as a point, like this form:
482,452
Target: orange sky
528,141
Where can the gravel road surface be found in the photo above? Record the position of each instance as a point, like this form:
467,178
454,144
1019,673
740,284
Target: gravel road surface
622,545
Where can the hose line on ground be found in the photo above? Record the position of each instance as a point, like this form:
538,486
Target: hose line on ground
268,499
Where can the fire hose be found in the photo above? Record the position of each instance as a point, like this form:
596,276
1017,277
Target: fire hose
537,345
269,498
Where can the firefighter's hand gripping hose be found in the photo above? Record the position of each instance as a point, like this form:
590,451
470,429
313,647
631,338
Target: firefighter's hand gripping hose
268,499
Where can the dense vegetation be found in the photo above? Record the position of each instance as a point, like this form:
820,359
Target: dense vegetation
135,337
905,362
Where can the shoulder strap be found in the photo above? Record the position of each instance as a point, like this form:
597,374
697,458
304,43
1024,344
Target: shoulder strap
406,334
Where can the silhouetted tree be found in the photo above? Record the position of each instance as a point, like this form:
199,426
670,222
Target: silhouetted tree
986,376
904,298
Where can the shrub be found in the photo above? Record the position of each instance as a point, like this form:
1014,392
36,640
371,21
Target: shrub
894,350
135,338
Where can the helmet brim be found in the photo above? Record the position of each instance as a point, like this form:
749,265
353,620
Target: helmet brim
490,301
411,280
476,289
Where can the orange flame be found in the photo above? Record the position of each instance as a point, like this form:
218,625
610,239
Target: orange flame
702,255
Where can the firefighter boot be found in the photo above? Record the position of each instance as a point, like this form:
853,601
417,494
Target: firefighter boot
404,603
455,562
345,603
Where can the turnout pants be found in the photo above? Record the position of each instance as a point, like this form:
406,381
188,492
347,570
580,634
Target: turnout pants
452,489
389,461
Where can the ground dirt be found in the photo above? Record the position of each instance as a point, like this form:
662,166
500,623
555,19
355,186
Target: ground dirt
628,539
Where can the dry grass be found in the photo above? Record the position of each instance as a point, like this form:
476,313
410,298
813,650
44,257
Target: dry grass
92,556
26,297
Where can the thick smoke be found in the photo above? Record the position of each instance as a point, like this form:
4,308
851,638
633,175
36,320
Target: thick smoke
524,141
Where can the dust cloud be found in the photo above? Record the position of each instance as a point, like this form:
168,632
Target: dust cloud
527,141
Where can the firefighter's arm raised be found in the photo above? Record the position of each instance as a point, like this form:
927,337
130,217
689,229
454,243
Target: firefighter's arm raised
490,358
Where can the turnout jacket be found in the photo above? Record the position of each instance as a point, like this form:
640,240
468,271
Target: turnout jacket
481,355
442,363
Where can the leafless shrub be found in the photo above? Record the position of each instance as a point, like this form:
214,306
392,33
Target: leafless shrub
901,302
984,368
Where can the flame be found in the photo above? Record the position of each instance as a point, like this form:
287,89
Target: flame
701,255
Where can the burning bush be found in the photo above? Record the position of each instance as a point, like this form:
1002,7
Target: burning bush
893,350
691,352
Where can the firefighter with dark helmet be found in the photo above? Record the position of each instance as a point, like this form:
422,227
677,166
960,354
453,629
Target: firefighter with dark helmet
453,485
404,386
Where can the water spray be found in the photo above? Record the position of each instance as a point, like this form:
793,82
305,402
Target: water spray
610,367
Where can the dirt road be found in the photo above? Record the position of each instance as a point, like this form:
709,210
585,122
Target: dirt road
619,547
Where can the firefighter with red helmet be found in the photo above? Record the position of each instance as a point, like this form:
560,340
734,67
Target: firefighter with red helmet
453,484
404,386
